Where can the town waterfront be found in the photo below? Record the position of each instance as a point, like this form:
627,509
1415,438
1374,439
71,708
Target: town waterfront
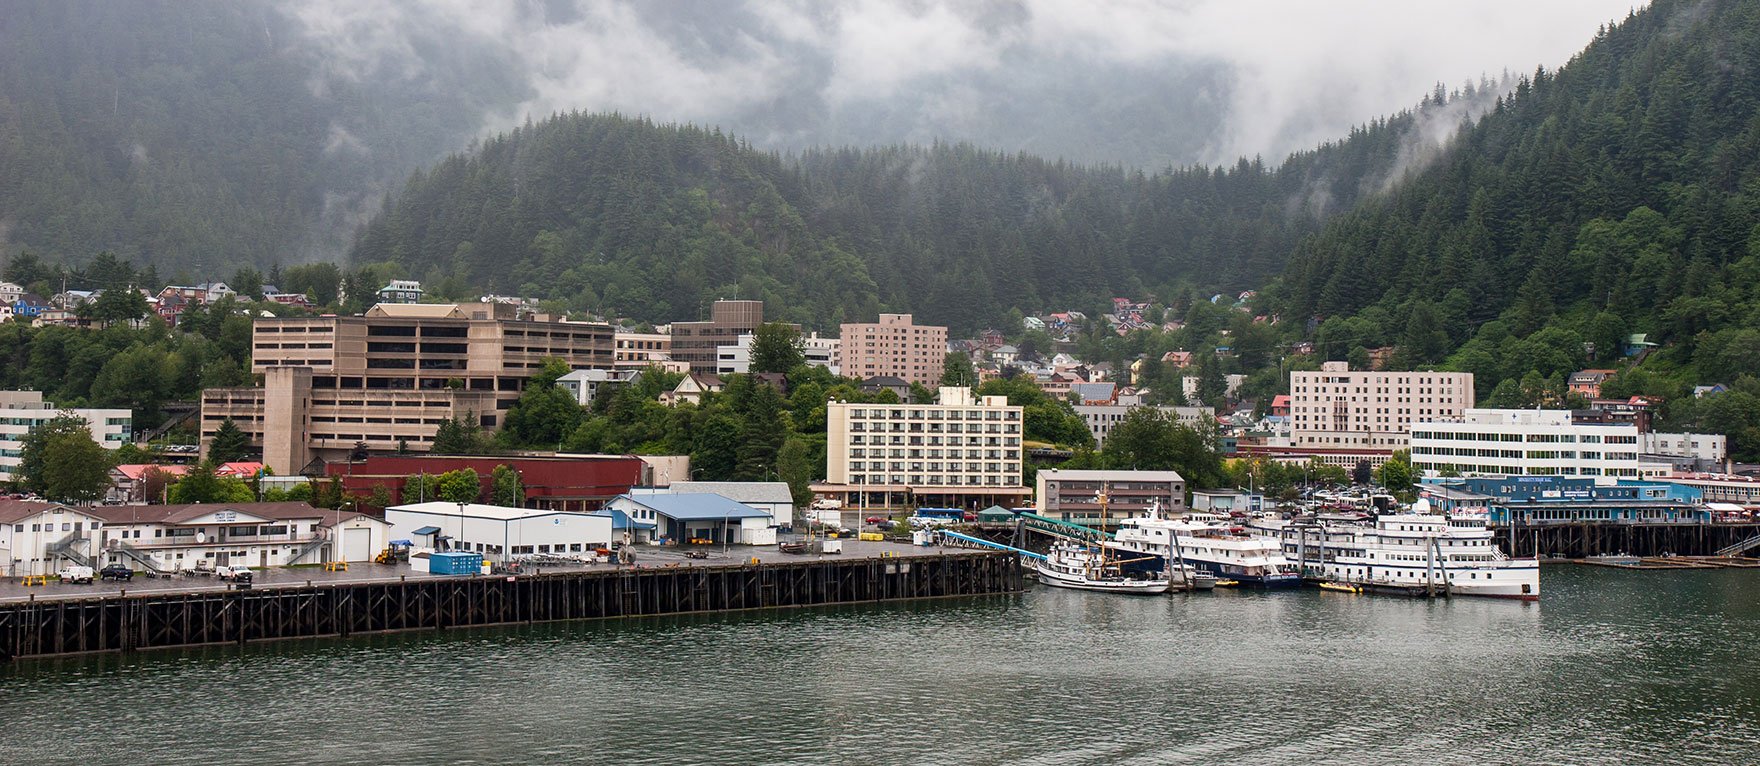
1612,667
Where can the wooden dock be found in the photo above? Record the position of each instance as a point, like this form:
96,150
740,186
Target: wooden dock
1675,562
165,619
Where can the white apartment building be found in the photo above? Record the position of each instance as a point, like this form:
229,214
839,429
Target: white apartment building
1706,448
21,411
737,359
958,453
1526,442
1336,407
1102,417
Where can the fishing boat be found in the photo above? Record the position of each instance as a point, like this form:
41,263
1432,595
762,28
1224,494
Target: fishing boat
1070,565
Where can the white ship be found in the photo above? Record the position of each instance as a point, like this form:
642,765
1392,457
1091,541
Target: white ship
1409,552
1069,565
1204,544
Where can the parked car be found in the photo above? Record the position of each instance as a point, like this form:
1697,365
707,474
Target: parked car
77,574
117,572
233,573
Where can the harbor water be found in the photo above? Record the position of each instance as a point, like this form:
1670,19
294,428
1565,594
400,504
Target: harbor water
1613,667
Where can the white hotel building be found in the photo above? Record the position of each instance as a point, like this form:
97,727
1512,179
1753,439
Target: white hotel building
964,452
21,411
1546,443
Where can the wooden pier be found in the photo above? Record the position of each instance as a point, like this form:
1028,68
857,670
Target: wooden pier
164,619
1583,539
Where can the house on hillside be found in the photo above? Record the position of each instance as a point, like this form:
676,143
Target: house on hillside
1588,382
400,291
691,389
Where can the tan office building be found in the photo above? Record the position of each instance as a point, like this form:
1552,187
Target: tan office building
964,452
1337,408
896,347
390,377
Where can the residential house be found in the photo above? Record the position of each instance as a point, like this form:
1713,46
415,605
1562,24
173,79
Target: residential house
691,389
1179,359
898,386
10,292
1588,382
29,306
1004,354
586,385
400,291
1700,392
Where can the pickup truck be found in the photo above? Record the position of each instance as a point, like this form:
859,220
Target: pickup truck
117,572
233,573
77,574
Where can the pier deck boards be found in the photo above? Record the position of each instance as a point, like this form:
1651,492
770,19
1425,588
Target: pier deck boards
173,616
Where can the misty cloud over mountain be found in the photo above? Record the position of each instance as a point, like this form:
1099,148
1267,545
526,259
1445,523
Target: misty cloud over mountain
1139,83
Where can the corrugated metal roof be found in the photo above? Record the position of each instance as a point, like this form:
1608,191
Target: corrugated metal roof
699,506
739,491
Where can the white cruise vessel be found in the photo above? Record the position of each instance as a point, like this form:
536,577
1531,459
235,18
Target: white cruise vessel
1206,544
1407,552
1068,565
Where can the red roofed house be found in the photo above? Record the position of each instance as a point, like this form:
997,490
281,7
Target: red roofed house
1280,405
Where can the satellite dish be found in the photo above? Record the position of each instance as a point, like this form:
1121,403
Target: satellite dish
201,537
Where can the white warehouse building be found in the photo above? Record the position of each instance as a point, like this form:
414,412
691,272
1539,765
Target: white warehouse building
498,532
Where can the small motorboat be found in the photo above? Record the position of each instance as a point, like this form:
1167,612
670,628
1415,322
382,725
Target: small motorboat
1341,587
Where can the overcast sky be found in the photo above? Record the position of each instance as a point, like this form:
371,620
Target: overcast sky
1132,81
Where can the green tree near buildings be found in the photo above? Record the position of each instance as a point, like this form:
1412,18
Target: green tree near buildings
59,461
460,436
505,488
201,485
1148,439
777,347
1396,474
957,370
460,486
229,444
421,488
546,413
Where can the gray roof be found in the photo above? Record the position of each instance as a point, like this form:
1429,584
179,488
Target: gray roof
696,507
740,491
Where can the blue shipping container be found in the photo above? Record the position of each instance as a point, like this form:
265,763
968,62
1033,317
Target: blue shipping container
455,563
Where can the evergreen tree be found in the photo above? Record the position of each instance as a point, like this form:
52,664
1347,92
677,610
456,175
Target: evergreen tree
957,370
777,347
230,444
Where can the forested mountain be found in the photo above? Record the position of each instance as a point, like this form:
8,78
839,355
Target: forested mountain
1616,195
623,216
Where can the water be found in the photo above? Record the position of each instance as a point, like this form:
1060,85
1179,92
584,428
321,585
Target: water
1613,668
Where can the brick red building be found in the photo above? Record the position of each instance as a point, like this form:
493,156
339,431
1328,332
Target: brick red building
577,483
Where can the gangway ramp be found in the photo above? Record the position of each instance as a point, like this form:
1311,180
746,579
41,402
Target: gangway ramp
1060,528
981,542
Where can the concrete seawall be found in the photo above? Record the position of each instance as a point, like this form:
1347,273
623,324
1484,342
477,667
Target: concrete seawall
170,618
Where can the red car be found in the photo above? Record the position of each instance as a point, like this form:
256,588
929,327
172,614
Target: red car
875,519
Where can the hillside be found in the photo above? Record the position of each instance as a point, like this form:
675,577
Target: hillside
623,216
1616,195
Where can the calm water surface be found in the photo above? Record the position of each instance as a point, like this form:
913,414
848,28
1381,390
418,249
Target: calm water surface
1614,668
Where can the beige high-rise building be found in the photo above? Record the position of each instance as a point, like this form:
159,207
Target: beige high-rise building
390,377
1337,408
896,347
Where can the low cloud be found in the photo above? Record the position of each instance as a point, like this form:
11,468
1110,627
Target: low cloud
1130,81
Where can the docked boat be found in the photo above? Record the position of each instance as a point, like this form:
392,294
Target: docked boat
1069,565
1417,553
1206,544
